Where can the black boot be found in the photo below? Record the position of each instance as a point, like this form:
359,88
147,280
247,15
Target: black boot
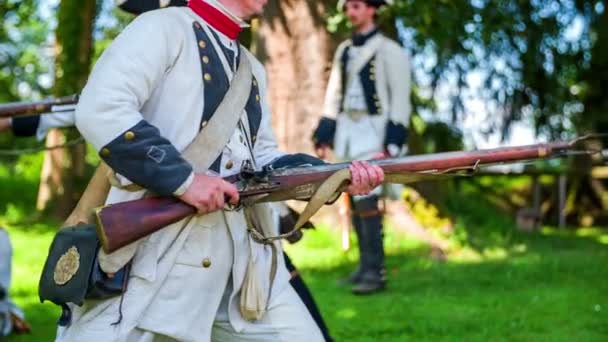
373,277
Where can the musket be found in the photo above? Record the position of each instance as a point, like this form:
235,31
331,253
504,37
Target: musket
122,223
28,108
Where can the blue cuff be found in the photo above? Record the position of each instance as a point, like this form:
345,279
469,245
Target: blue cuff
324,134
147,159
396,134
26,126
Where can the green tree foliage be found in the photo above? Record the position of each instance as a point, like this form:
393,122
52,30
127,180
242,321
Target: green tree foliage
22,47
75,40
594,76
64,170
24,63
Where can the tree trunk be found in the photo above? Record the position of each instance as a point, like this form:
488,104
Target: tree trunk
63,170
297,50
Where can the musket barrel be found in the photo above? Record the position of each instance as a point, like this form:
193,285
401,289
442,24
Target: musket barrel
454,160
444,160
27,108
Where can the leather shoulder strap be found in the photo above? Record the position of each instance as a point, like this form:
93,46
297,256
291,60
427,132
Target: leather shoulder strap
212,139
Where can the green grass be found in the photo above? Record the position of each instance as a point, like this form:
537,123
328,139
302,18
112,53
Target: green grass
545,287
551,286
30,246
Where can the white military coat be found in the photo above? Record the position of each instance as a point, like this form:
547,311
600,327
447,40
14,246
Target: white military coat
362,137
179,274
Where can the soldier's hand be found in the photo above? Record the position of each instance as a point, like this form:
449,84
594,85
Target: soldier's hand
365,177
209,193
322,151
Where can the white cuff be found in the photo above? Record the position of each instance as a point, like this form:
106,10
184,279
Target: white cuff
185,185
393,150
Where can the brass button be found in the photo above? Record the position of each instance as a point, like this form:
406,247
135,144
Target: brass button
372,78
206,263
257,98
207,77
255,83
129,136
105,152
205,59
254,138
204,124
229,165
202,44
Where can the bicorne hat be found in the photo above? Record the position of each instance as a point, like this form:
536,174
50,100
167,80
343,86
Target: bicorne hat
138,7
375,3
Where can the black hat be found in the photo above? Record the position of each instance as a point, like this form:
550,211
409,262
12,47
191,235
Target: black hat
375,3
140,6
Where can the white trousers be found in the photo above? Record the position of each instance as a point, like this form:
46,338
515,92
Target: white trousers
287,321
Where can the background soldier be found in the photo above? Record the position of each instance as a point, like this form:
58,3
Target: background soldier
366,113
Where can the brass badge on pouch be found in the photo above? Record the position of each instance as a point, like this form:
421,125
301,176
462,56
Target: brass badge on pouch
67,266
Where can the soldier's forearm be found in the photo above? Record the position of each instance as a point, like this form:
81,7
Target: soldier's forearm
147,159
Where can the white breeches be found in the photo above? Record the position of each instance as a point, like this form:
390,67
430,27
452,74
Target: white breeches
287,321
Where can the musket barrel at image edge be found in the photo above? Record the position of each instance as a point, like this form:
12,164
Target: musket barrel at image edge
27,108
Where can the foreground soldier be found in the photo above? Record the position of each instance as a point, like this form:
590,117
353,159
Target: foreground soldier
285,219
150,94
39,126
366,114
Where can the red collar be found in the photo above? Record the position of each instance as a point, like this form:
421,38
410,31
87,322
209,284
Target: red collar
215,18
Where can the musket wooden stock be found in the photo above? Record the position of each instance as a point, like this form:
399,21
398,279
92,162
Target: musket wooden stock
26,108
123,223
